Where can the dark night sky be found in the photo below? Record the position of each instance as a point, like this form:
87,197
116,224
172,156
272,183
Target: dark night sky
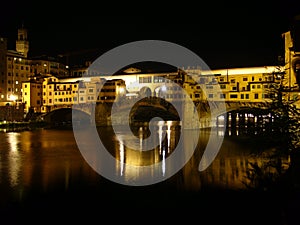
224,35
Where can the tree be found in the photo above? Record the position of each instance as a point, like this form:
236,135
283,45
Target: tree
284,133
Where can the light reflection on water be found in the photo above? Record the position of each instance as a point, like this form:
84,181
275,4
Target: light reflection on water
14,158
47,160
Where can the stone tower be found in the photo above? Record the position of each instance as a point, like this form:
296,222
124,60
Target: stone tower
22,44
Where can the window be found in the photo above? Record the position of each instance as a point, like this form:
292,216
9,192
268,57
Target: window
159,79
256,96
233,96
145,79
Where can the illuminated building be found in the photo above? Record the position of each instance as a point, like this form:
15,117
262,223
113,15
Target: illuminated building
15,70
32,94
235,85
61,86
112,90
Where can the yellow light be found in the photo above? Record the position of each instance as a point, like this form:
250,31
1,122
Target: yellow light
164,88
13,97
121,90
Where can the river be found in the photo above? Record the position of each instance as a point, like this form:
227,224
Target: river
44,171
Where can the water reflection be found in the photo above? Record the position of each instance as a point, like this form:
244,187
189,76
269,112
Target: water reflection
134,165
48,160
228,169
39,161
47,168
14,158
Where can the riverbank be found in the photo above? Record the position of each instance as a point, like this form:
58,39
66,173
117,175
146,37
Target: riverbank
19,126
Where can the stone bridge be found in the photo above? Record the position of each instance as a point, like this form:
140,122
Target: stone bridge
201,114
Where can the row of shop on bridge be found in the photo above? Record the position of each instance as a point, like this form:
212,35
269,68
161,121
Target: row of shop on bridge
45,92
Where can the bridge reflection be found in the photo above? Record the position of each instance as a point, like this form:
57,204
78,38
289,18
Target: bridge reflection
247,122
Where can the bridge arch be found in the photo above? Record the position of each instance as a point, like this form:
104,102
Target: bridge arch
65,116
145,91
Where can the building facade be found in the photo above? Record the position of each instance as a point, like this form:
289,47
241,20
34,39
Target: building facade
43,83
235,85
15,68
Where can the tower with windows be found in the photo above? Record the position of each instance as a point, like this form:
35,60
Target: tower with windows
22,43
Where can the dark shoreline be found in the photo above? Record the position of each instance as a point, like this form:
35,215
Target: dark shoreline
19,126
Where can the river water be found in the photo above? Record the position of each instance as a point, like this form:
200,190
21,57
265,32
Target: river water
44,171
